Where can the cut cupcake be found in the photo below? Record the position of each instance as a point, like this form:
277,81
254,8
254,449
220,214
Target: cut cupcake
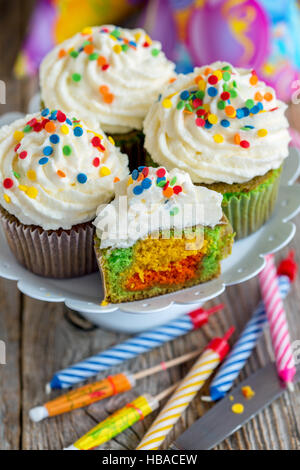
54,173
109,76
228,130
160,234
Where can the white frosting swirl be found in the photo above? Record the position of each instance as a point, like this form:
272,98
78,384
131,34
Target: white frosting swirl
142,207
177,138
54,174
132,78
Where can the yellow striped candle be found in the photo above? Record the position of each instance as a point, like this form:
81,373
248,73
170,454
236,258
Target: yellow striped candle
188,388
116,423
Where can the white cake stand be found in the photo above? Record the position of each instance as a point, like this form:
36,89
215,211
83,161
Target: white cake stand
246,261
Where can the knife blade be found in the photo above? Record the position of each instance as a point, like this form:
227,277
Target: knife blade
220,421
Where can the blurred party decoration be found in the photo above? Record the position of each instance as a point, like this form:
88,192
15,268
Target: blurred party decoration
261,34
53,21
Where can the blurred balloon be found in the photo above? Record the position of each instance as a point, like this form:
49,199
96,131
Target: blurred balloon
232,30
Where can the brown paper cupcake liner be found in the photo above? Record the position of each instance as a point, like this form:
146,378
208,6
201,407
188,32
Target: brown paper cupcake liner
58,254
247,212
132,144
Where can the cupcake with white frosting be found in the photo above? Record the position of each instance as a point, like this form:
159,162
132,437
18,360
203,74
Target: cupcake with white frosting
228,130
54,173
160,234
109,76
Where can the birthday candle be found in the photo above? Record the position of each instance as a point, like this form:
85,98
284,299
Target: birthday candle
84,396
112,385
130,348
277,321
188,388
116,423
241,351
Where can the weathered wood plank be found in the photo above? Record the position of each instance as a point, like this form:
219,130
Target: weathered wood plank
10,386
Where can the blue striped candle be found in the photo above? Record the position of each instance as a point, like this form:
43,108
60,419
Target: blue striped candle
235,361
130,348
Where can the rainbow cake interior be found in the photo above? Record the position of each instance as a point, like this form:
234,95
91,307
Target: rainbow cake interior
159,265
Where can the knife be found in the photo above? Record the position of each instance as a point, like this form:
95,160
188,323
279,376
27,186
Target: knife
220,421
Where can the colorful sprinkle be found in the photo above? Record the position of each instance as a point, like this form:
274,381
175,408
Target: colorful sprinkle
237,139
6,198
225,123
184,95
18,135
117,49
218,138
237,408
174,211
200,122
76,77
137,190
96,162
61,174
262,132
167,103
244,144
32,192
226,76
77,131
93,56
8,183
253,80
155,52
104,171
31,175
213,118
23,155
81,178
208,125
62,53
67,150
108,98
146,183
213,79
212,91
96,141
135,175
177,189
225,95
230,111
50,127
47,151
43,161
54,139
268,96
160,173
27,129
74,54
168,192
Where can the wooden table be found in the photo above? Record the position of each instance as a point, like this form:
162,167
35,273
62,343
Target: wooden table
40,340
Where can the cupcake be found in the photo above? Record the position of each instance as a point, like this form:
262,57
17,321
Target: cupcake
109,76
54,173
228,130
160,234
